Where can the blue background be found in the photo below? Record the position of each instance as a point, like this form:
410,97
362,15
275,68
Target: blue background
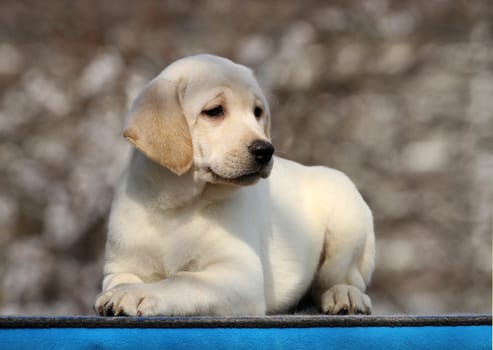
427,337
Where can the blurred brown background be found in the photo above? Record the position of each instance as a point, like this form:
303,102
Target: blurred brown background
397,94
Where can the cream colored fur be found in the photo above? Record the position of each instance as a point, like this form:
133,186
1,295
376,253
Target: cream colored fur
198,228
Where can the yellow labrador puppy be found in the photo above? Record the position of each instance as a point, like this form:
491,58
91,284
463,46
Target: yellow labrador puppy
206,221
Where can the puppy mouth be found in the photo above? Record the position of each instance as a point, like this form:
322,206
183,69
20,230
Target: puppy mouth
243,179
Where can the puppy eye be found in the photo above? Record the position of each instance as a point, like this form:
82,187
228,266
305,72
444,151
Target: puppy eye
214,112
258,112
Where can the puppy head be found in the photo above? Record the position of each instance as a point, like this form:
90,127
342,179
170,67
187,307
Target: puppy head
208,112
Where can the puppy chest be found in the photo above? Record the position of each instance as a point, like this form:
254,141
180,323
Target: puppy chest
287,278
293,252
164,247
172,251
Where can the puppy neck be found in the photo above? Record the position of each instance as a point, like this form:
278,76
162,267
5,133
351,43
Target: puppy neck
166,190
218,192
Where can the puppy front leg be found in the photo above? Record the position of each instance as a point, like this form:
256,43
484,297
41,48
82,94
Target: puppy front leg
217,290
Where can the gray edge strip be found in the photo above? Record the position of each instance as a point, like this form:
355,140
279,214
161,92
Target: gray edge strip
290,321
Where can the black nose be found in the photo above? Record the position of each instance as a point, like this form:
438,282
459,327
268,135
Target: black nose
262,151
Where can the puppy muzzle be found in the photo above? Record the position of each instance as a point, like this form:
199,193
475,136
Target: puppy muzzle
261,151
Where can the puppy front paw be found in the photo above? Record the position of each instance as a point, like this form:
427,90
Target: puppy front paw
344,299
126,301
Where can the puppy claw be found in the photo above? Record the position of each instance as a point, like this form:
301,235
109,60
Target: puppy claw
108,309
127,301
345,300
343,310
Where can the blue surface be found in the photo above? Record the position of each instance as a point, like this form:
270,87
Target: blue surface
424,337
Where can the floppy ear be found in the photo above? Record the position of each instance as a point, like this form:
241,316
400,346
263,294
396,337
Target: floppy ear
157,127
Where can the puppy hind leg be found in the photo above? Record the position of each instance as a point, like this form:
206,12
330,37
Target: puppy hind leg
339,286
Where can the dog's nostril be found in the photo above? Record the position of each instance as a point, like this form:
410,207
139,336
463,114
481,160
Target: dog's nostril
261,150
